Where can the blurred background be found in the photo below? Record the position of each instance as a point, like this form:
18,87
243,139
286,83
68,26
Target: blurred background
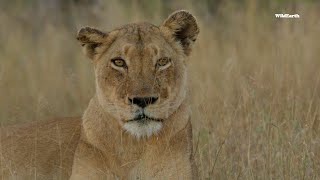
254,78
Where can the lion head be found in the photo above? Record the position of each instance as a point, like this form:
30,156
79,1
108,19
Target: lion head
140,70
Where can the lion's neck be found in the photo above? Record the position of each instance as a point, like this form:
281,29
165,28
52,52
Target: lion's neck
97,125
118,147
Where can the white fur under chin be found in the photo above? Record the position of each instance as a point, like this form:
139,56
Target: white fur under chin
143,129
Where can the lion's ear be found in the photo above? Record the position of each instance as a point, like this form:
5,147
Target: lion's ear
183,26
90,39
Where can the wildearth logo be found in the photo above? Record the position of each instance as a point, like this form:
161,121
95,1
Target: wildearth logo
287,15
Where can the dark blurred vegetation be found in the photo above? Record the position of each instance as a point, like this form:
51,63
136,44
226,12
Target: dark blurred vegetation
61,10
36,13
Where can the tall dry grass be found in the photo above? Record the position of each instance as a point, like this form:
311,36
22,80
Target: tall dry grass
254,80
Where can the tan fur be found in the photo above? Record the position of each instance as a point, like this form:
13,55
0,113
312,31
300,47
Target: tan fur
113,145
39,150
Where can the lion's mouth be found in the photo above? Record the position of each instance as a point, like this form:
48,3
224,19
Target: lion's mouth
143,118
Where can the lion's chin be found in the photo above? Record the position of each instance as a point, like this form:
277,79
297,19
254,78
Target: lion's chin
143,129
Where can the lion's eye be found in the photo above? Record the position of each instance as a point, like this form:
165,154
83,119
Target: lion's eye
163,62
119,62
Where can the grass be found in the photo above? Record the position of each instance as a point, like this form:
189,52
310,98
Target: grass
255,81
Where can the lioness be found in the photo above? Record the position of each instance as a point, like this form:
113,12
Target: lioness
137,125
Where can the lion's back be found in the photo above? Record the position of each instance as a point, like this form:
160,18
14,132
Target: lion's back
39,149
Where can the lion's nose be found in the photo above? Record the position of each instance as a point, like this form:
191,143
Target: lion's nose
142,101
